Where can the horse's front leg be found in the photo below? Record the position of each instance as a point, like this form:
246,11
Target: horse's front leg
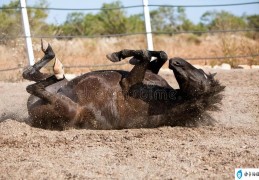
57,111
137,74
156,64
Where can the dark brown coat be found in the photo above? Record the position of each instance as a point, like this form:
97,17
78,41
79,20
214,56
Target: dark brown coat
118,99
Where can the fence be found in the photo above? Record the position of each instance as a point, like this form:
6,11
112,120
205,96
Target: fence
148,31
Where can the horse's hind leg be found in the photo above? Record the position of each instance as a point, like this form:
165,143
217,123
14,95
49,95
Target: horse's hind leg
56,112
33,73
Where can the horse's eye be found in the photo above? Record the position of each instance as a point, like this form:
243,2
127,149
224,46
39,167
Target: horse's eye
177,63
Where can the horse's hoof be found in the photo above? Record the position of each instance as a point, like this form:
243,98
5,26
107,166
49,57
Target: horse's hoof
58,69
114,57
44,45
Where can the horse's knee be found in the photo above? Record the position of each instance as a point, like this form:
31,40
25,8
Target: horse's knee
35,88
28,72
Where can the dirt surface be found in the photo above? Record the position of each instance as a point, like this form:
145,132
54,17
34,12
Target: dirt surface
161,153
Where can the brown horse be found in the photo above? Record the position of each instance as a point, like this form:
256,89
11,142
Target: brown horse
115,99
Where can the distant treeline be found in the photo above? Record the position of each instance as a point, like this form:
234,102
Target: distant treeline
163,19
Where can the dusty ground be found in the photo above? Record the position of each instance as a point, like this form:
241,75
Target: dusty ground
161,153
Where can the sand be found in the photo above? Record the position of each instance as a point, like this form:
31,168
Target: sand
161,153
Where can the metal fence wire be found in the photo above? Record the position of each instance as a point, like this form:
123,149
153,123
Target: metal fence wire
135,6
131,34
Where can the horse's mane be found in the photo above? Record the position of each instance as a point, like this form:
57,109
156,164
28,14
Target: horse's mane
194,110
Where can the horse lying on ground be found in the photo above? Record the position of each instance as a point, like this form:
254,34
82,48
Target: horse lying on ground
114,99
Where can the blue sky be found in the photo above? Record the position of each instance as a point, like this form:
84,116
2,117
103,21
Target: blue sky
193,14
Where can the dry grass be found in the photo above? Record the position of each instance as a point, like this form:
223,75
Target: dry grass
87,52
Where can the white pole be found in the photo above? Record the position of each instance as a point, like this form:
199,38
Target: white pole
148,26
27,32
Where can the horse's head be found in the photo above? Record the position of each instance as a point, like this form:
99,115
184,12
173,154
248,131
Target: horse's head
201,92
192,81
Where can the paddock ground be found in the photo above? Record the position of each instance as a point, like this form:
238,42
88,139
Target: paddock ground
204,152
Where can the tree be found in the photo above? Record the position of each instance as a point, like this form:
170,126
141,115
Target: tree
116,21
135,24
73,24
167,18
187,25
37,19
93,25
113,21
110,20
10,19
253,23
222,20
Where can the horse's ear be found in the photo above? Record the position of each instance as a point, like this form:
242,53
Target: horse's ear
212,75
